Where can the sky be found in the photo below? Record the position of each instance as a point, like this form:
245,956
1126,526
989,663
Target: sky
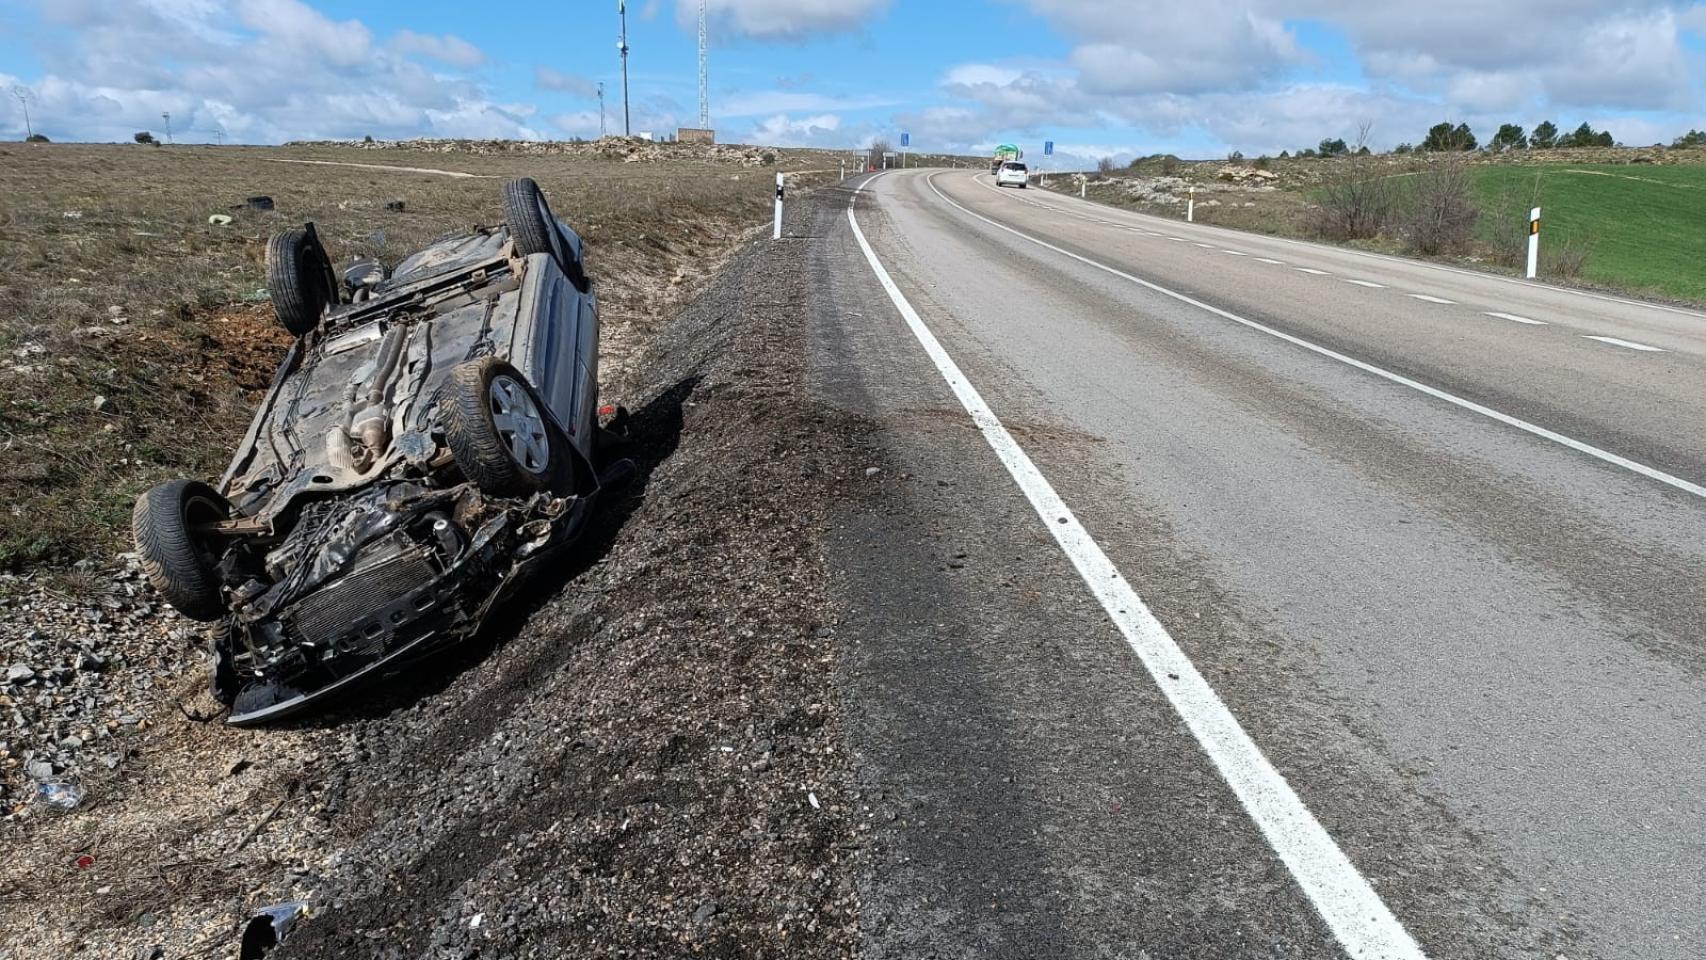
1100,78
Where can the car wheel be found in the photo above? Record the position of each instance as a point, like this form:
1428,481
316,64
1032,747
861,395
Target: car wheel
534,228
497,431
178,559
299,277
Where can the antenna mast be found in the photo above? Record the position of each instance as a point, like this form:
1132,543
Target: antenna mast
601,109
704,74
23,95
622,47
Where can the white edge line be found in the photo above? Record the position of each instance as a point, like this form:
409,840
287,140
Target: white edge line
1516,319
1650,473
1361,921
1460,271
1616,342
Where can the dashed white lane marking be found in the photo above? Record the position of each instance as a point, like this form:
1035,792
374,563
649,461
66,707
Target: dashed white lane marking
1516,319
1368,283
1205,246
1651,473
1614,341
1233,253
1178,239
1361,921
1313,272
1277,263
1424,297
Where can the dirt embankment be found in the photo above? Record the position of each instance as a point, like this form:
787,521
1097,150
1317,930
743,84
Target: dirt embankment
644,759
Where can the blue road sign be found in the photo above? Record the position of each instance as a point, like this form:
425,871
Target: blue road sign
906,139
1048,148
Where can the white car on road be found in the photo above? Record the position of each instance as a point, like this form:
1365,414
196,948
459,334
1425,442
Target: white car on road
1012,173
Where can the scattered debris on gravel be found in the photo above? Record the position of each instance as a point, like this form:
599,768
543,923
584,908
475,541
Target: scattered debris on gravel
624,149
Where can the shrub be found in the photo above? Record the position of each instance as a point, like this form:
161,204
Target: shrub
1693,138
1106,166
1169,165
1262,162
37,138
144,136
878,149
1441,216
1333,148
1565,258
1235,156
1403,148
1357,202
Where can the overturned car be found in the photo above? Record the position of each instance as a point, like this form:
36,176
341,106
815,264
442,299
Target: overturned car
430,436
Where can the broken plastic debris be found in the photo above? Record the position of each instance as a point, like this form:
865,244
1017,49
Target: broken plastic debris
219,220
475,921
60,796
268,927
84,862
813,798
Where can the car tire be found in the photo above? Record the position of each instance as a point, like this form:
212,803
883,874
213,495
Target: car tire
534,228
498,431
179,562
299,278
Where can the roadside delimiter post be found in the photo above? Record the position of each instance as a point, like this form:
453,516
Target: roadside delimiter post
1533,243
776,234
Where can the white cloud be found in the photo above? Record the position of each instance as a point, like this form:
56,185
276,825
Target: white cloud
547,78
445,49
257,71
814,131
781,19
789,101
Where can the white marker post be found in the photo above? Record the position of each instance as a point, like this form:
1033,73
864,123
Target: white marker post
1533,243
1191,207
1081,184
776,234
843,168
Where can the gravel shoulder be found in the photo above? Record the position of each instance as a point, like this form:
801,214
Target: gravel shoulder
643,759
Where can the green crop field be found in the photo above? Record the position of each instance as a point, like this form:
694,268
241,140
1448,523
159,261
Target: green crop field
1644,226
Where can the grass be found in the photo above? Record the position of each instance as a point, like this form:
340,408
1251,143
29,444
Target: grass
134,342
1632,225
1641,225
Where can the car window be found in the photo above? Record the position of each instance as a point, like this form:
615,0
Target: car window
1015,166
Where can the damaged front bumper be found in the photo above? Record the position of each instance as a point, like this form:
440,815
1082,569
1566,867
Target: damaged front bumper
403,594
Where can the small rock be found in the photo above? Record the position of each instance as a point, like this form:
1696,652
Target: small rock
100,403
705,912
872,471
18,673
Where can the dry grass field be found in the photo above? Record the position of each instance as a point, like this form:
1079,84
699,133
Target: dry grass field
135,336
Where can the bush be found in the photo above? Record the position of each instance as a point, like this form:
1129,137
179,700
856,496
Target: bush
1169,165
1333,148
878,149
1565,258
1236,156
1441,216
1356,203
37,138
1106,166
1262,162
146,137
1693,138
1403,148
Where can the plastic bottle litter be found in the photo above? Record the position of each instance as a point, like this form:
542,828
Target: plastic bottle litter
60,796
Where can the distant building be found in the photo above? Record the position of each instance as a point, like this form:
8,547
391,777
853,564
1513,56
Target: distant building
696,135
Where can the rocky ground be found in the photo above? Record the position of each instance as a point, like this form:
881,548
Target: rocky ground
645,758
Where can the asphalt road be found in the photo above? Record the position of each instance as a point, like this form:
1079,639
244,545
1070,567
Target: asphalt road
1434,548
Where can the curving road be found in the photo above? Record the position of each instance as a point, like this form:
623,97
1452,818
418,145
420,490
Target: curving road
1430,541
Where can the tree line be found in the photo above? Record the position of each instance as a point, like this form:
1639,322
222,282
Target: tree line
1446,137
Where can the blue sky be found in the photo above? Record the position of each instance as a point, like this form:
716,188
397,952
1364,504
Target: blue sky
1100,77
